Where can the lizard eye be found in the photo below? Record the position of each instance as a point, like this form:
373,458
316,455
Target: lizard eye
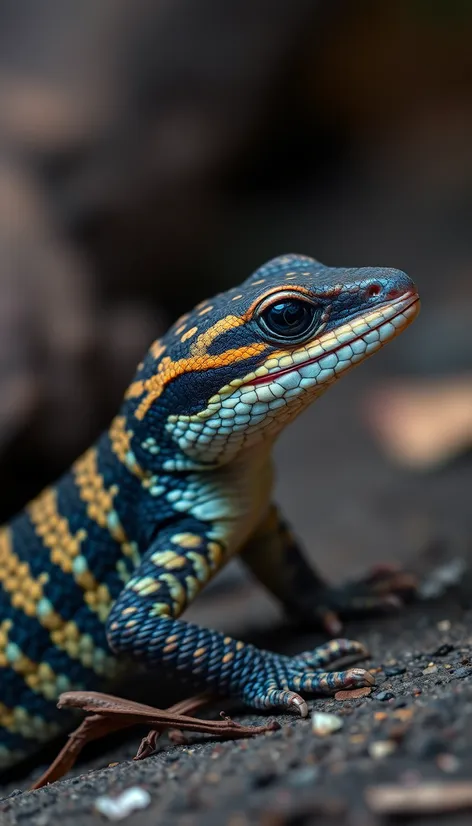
289,319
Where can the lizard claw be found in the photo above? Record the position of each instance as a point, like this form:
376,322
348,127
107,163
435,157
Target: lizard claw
300,705
306,672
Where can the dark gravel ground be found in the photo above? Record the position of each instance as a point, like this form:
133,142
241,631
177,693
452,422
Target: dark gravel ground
416,725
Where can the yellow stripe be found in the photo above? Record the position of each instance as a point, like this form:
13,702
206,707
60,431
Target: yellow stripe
39,677
27,595
65,551
100,504
200,566
176,591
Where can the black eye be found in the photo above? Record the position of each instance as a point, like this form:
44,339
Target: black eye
290,319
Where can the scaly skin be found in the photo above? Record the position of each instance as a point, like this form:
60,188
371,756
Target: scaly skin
101,566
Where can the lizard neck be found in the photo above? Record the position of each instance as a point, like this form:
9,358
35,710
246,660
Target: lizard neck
238,494
234,496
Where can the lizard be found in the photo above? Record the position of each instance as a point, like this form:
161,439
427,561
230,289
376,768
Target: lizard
96,572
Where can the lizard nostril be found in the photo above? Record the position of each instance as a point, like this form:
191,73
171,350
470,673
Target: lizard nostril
373,290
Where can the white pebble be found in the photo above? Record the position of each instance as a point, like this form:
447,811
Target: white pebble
444,625
323,724
381,748
117,808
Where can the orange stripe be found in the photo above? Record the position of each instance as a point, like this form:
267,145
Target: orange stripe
199,360
120,439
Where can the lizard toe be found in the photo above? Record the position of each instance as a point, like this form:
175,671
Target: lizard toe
327,682
271,696
329,653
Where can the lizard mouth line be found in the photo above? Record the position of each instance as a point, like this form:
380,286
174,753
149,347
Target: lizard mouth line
258,380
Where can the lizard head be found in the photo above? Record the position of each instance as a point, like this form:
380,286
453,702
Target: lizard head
237,369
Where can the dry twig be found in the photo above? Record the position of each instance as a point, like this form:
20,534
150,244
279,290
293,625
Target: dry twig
110,714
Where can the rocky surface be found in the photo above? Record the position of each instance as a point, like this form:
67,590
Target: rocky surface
413,727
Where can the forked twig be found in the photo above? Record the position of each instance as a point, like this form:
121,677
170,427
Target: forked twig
110,714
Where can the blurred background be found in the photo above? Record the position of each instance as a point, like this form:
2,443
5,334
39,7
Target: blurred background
154,152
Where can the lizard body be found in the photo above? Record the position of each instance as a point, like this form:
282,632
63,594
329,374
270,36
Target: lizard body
100,567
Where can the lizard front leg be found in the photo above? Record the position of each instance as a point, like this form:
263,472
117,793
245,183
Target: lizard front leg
144,624
276,559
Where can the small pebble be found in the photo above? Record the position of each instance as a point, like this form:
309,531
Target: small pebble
394,670
352,695
444,625
431,669
323,724
120,807
460,673
384,696
381,748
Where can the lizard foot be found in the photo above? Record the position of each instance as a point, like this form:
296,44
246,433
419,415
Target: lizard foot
384,588
277,683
